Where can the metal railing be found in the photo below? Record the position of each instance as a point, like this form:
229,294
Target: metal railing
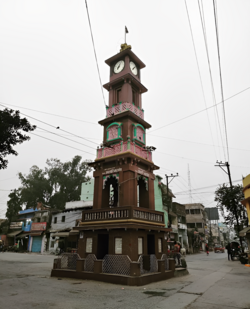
164,257
68,260
89,262
148,264
116,264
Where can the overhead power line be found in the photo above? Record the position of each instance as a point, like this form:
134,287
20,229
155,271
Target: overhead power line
56,115
48,124
221,83
196,113
198,67
95,53
69,139
202,18
60,143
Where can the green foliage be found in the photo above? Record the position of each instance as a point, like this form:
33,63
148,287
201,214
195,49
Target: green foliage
226,198
13,206
11,126
57,184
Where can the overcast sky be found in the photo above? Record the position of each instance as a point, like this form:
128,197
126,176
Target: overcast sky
48,71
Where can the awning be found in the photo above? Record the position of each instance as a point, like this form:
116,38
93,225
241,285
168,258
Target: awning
36,234
243,232
62,234
74,232
13,234
23,235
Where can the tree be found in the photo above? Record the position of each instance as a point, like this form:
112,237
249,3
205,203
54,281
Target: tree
229,202
13,206
57,184
11,126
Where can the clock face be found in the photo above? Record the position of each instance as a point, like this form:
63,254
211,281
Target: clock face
133,68
119,66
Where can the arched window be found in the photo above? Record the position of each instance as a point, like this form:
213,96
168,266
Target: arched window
114,131
139,133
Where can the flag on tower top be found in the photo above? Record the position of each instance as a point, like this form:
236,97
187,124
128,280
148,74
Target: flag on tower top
126,29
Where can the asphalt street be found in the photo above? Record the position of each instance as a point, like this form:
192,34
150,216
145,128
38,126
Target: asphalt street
213,282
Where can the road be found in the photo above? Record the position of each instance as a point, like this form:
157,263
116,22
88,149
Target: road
213,282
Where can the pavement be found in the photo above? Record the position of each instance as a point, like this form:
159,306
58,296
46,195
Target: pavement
213,282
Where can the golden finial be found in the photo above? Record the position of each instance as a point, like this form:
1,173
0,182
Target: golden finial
125,46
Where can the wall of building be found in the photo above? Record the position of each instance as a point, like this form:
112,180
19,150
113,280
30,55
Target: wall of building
158,198
87,190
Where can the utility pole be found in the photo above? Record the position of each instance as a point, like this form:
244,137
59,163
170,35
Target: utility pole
168,182
226,164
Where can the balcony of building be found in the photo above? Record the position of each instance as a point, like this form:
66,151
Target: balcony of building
125,215
124,147
122,107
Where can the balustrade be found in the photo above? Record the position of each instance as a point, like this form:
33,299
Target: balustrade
122,107
124,213
123,147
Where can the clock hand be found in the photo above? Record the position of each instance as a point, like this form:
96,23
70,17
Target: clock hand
118,67
133,68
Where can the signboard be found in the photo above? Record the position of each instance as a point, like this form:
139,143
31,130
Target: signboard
38,226
112,170
212,213
89,245
118,245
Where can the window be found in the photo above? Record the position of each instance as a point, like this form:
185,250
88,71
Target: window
38,220
190,225
195,211
118,93
52,244
179,219
187,211
140,245
133,97
199,225
63,218
89,245
160,245
118,245
55,220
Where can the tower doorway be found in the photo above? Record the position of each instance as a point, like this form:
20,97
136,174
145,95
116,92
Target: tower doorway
142,193
102,246
110,193
151,244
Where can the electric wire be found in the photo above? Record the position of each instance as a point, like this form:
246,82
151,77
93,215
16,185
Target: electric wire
54,126
210,72
56,115
198,67
61,143
95,53
191,115
199,143
66,138
219,62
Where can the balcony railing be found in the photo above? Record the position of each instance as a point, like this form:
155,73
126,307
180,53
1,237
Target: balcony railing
119,213
123,147
122,107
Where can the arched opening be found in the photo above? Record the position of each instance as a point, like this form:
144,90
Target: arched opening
110,192
142,192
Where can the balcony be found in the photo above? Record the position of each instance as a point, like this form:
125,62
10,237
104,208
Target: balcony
124,147
122,107
121,213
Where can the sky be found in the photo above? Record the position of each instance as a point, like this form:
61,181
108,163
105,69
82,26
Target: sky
48,72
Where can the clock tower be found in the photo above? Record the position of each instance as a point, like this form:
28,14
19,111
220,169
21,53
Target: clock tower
124,165
123,238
